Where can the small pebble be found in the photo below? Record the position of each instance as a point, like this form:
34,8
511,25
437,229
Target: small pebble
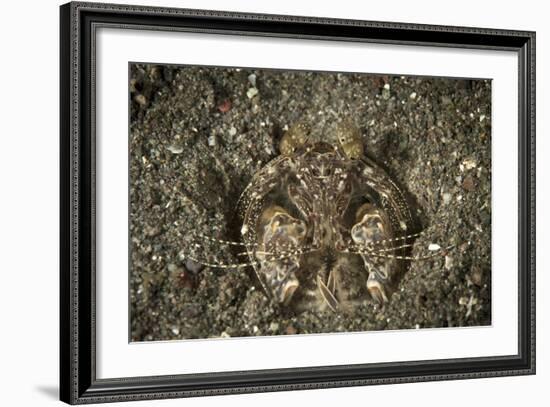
476,275
152,231
252,79
468,184
175,149
192,266
212,141
433,247
251,92
225,106
469,163
141,99
133,83
446,100
471,302
290,330
448,262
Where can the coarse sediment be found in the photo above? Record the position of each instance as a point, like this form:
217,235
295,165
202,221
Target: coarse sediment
197,136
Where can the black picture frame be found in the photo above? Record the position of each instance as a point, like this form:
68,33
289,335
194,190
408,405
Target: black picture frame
78,382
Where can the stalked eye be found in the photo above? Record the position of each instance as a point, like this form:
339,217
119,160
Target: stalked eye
294,138
350,140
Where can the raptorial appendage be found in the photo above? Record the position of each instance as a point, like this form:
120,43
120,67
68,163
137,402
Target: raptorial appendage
373,232
281,236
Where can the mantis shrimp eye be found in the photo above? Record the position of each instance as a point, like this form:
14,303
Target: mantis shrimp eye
350,140
296,137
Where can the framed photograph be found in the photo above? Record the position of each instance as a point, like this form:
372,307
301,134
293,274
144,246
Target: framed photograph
256,203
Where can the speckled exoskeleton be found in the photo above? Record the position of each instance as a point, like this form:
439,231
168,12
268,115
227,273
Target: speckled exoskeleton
324,226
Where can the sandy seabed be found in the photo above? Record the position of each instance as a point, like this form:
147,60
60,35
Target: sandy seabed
198,135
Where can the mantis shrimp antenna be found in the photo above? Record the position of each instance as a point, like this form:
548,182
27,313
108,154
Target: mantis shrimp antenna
276,256
374,253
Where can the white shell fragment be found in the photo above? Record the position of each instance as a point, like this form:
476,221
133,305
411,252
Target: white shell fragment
174,149
433,247
469,163
251,92
252,79
449,262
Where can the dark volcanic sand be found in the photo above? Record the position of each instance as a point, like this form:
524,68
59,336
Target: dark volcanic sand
197,135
